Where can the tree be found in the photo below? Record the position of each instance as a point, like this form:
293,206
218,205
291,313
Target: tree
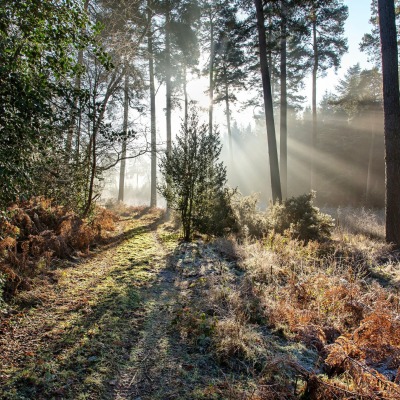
194,179
119,83
230,62
184,35
370,42
287,61
391,103
269,111
122,170
37,93
153,132
283,105
178,23
292,32
211,16
326,20
349,91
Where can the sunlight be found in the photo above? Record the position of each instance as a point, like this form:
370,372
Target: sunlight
198,91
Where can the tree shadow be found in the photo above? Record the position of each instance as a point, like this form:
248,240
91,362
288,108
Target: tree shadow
82,350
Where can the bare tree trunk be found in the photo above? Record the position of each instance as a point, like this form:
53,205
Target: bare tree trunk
125,131
228,123
314,108
97,120
92,172
283,119
269,112
370,157
211,78
153,185
168,84
186,100
391,105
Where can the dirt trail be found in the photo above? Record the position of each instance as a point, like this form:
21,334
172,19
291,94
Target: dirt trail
161,366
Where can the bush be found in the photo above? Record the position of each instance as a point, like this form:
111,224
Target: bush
248,220
217,217
195,180
299,219
34,232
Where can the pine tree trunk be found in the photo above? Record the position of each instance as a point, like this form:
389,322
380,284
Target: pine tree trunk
269,112
125,132
370,157
314,107
168,84
153,184
186,100
269,56
211,80
228,123
391,107
283,119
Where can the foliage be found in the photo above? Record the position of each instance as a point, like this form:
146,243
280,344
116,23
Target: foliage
299,218
37,44
370,42
194,180
296,217
35,232
217,217
249,220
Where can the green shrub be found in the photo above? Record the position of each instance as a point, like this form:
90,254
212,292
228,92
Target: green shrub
217,216
249,221
299,218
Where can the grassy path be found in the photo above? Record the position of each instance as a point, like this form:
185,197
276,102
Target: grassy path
124,323
100,330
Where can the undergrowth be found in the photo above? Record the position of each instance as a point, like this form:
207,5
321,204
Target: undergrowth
296,217
34,233
277,315
76,342
311,320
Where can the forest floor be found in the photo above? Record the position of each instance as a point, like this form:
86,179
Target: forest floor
104,327
147,316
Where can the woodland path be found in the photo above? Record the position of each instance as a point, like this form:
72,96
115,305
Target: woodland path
103,328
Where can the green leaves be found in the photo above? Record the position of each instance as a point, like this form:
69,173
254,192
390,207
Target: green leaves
38,44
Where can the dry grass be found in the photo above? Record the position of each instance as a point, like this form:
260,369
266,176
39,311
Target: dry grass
338,299
280,319
36,232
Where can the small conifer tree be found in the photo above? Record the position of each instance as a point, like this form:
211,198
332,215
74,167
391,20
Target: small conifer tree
194,180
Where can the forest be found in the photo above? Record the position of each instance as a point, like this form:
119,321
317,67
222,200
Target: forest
192,207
